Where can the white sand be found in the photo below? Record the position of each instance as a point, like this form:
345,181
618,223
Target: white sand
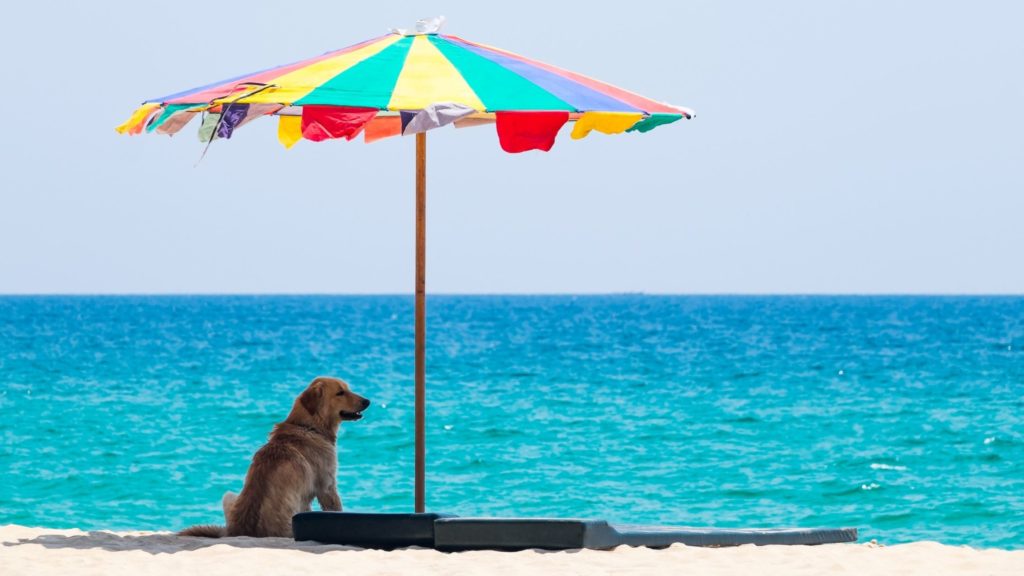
46,552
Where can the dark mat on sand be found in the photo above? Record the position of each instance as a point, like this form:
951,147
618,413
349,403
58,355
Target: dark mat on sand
450,533
385,531
559,534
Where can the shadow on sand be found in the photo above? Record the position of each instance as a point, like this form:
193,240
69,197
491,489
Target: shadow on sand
167,543
170,543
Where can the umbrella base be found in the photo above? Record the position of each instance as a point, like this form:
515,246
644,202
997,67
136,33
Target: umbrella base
450,533
381,531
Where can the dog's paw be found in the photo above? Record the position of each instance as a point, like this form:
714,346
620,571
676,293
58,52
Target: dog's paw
228,502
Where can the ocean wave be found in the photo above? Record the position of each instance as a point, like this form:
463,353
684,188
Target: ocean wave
880,466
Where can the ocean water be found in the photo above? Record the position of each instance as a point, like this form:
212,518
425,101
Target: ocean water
901,416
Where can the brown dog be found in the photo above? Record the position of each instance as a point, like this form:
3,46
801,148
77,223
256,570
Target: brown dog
298,462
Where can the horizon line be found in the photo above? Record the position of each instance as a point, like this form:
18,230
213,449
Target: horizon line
507,294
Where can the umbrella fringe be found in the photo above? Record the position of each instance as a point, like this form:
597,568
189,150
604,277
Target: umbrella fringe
213,135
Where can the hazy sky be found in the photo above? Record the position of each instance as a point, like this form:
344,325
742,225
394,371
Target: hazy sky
841,147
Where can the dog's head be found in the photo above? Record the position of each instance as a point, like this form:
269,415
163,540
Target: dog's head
328,401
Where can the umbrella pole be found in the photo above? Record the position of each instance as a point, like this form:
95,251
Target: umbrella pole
421,318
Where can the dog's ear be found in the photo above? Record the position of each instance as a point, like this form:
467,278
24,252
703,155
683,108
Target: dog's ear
311,397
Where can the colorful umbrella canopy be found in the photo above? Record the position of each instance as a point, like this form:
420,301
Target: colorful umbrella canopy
407,83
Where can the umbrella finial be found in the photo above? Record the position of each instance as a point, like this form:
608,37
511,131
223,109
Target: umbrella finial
423,26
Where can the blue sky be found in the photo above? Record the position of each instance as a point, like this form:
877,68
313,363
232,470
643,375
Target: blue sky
840,147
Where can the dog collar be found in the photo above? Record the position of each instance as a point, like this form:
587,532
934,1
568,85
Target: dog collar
313,430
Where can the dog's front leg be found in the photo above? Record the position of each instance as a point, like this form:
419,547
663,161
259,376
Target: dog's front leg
329,499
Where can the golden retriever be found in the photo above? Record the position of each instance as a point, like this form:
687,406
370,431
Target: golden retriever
298,463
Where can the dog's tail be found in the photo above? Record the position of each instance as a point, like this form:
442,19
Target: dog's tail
209,530
205,531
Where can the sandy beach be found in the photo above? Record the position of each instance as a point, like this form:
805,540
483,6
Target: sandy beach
46,552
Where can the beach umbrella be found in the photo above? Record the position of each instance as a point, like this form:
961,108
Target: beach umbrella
408,82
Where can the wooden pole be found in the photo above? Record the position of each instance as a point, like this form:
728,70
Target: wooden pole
421,319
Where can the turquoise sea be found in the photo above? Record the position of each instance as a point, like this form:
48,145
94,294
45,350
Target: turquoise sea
902,416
